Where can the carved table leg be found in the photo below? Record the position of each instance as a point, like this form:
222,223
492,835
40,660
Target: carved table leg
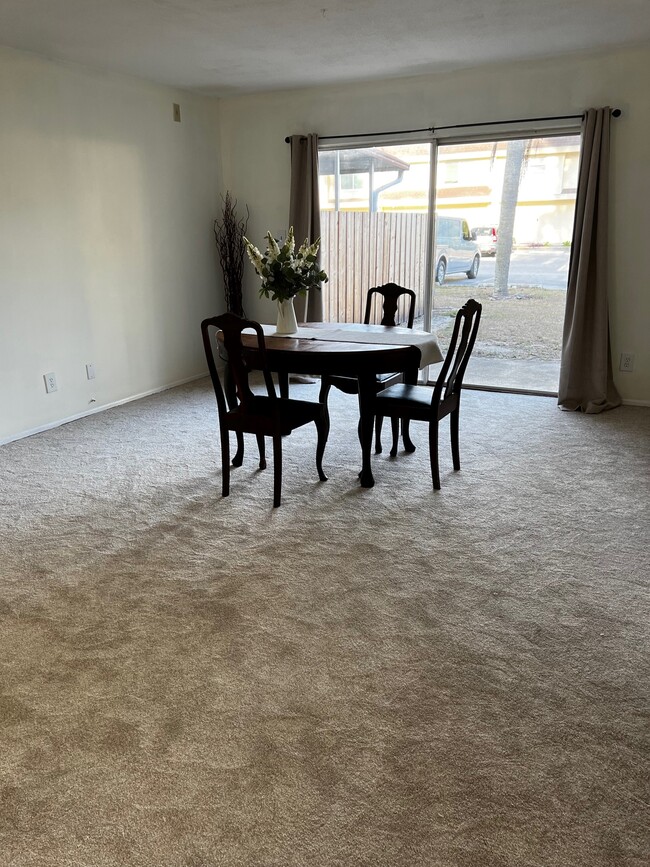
411,378
366,425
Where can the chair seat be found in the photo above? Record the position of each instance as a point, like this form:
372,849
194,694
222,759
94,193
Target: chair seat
415,395
386,377
414,401
268,412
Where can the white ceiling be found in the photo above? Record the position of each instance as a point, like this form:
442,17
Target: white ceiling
228,47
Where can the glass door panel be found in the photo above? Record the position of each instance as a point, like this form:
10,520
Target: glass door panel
374,225
504,222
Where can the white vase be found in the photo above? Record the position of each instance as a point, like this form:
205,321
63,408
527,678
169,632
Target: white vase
286,318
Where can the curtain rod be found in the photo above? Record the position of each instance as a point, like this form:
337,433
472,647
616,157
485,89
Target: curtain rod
616,112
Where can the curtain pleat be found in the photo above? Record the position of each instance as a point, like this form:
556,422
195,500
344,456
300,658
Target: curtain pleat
304,212
586,381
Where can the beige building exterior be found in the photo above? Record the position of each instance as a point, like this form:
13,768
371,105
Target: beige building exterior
469,185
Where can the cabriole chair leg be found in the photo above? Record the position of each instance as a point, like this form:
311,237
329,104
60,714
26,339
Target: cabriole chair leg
408,444
394,425
238,460
325,386
262,449
323,428
379,420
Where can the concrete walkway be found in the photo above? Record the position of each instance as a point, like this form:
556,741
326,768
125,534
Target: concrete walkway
517,374
510,374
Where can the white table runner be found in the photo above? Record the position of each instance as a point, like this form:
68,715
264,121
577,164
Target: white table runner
427,343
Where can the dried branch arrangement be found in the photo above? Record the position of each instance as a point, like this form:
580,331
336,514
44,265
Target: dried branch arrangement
229,234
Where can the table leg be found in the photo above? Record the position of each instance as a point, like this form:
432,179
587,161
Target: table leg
410,378
366,425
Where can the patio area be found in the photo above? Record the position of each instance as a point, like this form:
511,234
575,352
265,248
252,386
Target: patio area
514,374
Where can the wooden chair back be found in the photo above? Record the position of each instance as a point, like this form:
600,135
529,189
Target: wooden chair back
390,294
231,327
450,378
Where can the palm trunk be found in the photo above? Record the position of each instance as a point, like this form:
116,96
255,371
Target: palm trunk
515,153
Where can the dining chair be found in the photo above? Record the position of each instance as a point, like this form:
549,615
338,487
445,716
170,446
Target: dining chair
431,404
242,411
390,295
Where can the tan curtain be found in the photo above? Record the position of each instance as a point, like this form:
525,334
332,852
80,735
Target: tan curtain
586,368
304,212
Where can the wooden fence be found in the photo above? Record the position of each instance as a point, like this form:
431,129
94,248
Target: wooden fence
360,250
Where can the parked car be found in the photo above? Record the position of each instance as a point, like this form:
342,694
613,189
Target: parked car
456,249
486,237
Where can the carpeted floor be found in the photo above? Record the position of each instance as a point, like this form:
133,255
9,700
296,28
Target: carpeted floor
361,677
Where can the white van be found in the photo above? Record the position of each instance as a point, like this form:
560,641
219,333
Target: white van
457,251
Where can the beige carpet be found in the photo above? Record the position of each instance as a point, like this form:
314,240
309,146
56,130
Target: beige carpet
361,677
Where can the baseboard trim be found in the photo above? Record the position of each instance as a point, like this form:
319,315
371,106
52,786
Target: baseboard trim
96,409
51,425
502,390
540,393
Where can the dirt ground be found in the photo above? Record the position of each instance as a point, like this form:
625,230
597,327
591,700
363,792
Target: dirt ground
526,324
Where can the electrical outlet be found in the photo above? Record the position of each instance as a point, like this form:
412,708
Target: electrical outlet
627,362
281,236
177,112
50,382
90,371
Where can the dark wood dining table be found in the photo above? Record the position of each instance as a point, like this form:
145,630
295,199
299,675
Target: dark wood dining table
313,356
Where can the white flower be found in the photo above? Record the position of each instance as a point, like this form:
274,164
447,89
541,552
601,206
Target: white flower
274,248
283,272
254,255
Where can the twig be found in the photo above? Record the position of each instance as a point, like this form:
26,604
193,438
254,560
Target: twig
228,233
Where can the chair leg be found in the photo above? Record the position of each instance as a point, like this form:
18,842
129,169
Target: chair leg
323,428
238,460
283,383
225,462
277,469
433,453
394,425
322,399
408,444
231,400
454,419
379,420
262,449
325,385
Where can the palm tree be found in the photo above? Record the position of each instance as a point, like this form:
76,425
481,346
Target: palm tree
515,156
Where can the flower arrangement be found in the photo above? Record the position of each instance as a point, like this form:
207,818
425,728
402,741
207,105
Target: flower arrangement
286,273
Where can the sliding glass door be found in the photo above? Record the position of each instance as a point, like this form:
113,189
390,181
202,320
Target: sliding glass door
502,231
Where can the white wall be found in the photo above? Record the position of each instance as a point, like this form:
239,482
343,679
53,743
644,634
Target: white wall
106,207
106,246
255,158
